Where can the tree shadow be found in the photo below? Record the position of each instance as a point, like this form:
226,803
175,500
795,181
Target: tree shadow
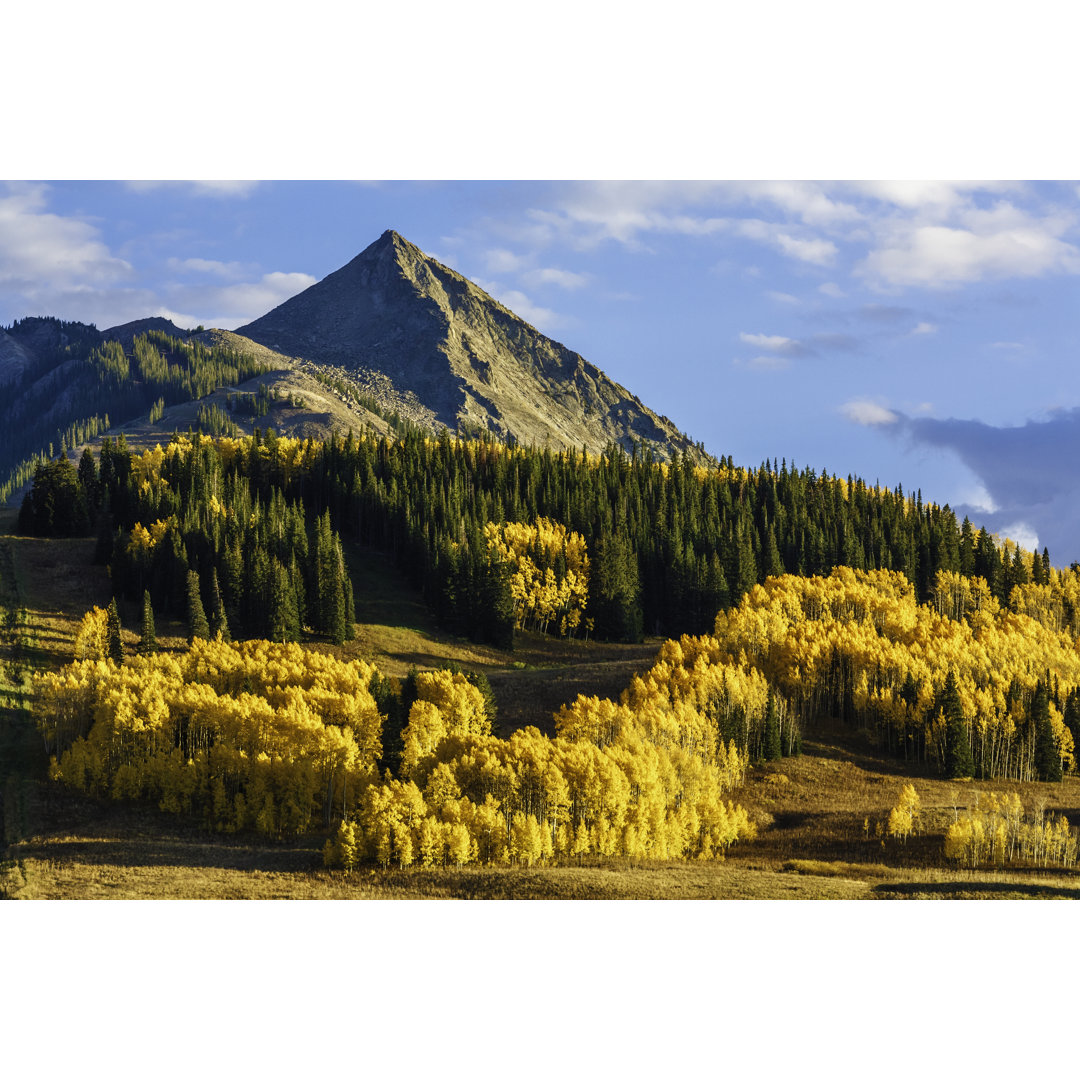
983,890
163,851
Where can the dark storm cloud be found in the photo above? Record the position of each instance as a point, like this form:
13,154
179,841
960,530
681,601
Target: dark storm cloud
1030,472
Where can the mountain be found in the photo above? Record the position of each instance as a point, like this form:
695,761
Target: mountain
392,338
15,359
424,341
127,332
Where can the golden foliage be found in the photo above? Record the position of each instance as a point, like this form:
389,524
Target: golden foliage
251,734
857,642
91,639
1000,831
549,573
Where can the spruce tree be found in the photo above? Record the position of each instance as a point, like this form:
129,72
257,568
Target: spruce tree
1072,715
88,479
113,636
615,591
218,623
148,640
1047,759
198,627
333,600
958,761
283,615
967,549
350,607
771,751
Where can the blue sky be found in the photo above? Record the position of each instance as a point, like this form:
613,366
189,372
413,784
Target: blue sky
912,333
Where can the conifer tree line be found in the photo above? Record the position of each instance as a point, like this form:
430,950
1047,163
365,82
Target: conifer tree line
262,566
670,544
667,545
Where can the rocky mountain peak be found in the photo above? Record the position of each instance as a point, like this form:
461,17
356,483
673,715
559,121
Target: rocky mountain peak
417,333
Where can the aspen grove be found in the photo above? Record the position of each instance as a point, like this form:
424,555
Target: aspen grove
280,739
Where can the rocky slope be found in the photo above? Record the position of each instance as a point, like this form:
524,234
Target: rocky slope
423,340
14,359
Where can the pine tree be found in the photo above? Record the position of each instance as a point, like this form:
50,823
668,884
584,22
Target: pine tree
1017,574
958,760
113,636
198,627
148,640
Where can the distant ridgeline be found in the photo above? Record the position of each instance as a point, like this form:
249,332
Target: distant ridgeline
619,545
79,384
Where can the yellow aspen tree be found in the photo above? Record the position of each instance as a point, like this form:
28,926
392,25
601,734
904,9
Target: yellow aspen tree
91,639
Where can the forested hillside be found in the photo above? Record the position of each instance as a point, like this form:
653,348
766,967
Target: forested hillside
660,548
81,383
802,601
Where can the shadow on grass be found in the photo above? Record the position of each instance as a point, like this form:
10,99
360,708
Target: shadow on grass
159,851
974,890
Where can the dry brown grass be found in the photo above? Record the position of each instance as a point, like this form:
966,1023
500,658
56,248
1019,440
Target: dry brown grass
816,848
129,856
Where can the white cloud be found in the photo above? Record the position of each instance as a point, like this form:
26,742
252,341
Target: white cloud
589,213
1023,534
213,188
544,319
187,304
42,253
776,344
766,341
209,266
261,296
926,196
1028,473
1011,346
978,498
806,200
924,328
809,250
830,288
868,413
501,261
783,298
521,305
999,243
821,252
550,275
